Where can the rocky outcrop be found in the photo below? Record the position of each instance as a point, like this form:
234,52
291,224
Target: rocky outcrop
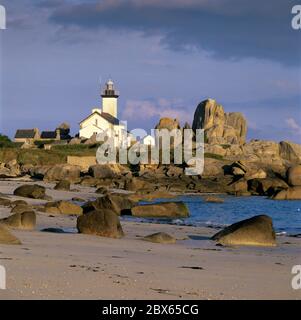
294,175
245,169
104,223
262,151
292,193
119,204
161,210
63,185
256,231
107,171
238,122
266,187
290,151
213,168
38,172
168,123
219,127
20,208
31,191
63,172
5,202
160,237
239,187
136,184
63,207
19,202
173,171
6,237
10,169
22,221
102,190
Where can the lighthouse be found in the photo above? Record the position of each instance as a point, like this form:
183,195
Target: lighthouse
109,99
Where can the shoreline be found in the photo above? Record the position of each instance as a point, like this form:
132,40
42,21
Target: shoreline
76,266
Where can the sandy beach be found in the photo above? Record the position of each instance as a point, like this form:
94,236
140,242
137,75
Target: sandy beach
75,266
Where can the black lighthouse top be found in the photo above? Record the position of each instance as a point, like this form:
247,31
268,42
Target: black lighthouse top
109,90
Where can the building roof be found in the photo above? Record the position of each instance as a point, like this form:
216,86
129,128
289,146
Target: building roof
25,134
48,135
108,117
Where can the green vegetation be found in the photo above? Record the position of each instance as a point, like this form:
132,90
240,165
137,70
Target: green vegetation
6,142
226,146
213,156
57,154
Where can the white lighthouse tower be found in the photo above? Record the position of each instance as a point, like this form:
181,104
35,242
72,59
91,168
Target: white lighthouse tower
109,99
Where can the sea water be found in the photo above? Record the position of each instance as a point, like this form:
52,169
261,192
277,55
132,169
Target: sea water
286,215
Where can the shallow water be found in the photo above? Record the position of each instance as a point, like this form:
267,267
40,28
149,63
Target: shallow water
286,215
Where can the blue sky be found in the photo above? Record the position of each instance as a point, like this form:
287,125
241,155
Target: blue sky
164,56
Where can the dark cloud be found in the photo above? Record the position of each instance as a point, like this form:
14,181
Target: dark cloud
226,29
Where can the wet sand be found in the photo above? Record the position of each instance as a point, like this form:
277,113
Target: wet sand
75,266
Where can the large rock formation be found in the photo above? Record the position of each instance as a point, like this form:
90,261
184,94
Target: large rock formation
31,191
135,184
161,210
104,223
220,127
63,185
63,207
22,221
63,172
292,193
267,186
168,123
118,203
20,208
294,175
256,231
290,151
5,202
10,169
107,171
6,237
262,151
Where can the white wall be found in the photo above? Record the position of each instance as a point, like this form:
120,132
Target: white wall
109,105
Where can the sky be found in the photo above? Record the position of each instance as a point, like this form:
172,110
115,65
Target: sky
165,57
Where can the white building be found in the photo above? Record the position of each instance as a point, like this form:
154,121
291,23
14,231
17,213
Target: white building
106,118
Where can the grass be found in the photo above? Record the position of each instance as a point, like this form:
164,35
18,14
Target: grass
213,156
57,155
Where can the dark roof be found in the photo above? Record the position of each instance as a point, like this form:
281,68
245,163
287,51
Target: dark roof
106,116
89,116
48,135
25,134
110,118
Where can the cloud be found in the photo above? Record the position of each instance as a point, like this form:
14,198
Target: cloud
226,29
293,126
146,110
